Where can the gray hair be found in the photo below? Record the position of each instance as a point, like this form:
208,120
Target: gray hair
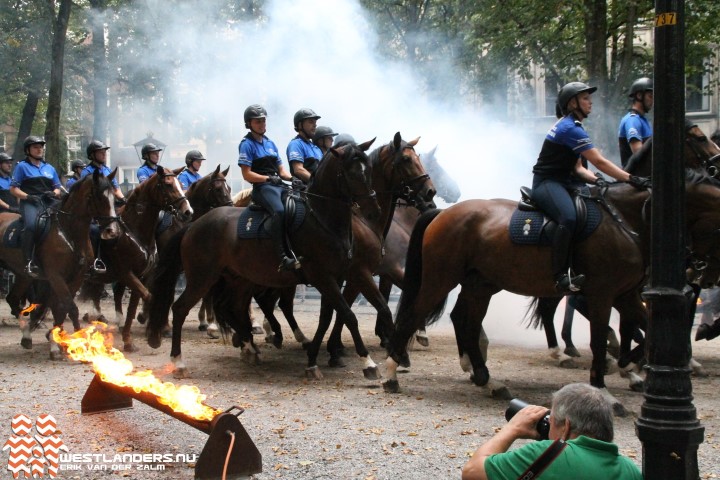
588,411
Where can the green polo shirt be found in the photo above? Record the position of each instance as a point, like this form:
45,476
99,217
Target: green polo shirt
584,458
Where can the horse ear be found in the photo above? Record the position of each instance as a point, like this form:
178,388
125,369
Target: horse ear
178,171
431,153
226,171
414,142
96,175
396,141
112,174
366,145
338,152
217,170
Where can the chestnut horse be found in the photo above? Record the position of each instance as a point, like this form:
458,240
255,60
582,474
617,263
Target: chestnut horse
65,254
211,252
469,245
131,257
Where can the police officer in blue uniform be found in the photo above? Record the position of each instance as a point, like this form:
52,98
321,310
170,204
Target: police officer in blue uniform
97,154
634,128
191,174
76,166
151,154
8,203
36,184
261,166
323,138
560,170
303,155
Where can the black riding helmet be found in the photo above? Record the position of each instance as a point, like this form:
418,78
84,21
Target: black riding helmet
76,164
322,132
567,93
32,140
192,156
93,147
4,157
343,139
252,112
147,148
643,85
303,114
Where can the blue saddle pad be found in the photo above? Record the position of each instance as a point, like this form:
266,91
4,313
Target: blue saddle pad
164,222
11,239
251,223
529,228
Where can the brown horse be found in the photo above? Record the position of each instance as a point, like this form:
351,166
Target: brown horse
469,245
211,252
130,257
65,254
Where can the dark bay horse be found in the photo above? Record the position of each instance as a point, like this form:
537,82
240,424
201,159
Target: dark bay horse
468,244
211,252
699,153
65,254
130,258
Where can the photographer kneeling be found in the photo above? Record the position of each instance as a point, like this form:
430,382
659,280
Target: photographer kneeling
580,444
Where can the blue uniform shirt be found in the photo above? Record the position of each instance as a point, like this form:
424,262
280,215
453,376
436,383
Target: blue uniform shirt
5,183
261,157
34,180
70,182
562,147
187,178
145,172
90,169
633,126
305,152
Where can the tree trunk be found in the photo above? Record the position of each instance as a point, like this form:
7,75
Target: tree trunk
26,122
99,79
53,153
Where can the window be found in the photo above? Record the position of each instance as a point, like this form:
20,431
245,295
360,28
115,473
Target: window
696,92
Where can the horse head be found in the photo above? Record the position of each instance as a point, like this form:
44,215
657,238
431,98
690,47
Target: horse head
164,190
92,196
402,168
447,188
211,191
700,151
346,173
703,216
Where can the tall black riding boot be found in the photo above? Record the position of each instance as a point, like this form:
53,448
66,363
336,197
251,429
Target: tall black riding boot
27,241
560,262
277,232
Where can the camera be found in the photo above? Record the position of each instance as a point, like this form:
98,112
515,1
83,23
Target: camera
543,425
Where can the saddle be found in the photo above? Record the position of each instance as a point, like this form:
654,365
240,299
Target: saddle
254,222
12,236
529,226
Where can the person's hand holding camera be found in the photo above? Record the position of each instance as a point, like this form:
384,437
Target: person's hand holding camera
524,422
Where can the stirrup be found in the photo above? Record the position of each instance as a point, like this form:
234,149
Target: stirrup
98,266
288,264
568,283
32,270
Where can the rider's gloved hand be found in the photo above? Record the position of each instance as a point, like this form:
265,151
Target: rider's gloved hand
119,202
49,196
34,199
13,209
298,184
641,183
274,180
600,181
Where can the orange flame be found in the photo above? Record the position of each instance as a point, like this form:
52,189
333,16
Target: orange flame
94,344
26,311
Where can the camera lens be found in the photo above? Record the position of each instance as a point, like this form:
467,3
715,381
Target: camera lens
543,425
515,406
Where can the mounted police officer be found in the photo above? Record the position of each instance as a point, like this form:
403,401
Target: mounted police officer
191,174
634,128
261,166
97,154
559,170
76,167
323,138
36,184
304,156
8,203
151,155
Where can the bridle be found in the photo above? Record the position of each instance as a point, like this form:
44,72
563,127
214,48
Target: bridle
408,189
708,164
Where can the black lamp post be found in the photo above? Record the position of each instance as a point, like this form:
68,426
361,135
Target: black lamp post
668,426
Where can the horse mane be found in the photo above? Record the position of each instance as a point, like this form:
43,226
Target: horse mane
103,184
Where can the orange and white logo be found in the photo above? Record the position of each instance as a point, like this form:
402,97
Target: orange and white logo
30,455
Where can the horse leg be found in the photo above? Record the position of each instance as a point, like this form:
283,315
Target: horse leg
546,308
599,315
566,333
266,301
16,296
126,332
118,296
632,314
286,303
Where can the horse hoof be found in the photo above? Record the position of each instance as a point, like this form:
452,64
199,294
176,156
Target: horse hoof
236,341
130,348
423,340
336,362
56,356
404,361
637,387
567,363
572,352
180,373
699,372
372,373
212,334
313,373
257,330
26,343
619,410
502,393
202,327
391,386
154,340
277,342
251,358
141,318
86,318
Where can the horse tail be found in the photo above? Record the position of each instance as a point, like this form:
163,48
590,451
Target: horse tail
413,272
162,284
221,298
541,310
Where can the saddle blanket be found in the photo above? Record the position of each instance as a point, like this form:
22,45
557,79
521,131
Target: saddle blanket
531,228
251,223
11,239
